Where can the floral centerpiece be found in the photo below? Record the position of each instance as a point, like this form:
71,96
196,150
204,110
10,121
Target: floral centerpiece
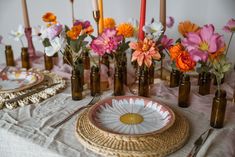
112,42
60,38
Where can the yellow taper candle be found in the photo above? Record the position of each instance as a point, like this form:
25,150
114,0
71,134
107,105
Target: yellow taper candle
101,21
25,14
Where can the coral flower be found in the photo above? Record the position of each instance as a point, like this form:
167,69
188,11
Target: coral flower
230,26
109,23
49,17
107,42
176,50
125,29
184,62
204,43
186,27
74,32
145,52
89,30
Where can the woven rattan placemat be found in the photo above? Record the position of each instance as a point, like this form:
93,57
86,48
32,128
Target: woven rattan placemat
156,145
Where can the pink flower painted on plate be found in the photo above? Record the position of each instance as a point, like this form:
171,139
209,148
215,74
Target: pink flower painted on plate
166,42
54,30
203,43
107,42
170,21
230,26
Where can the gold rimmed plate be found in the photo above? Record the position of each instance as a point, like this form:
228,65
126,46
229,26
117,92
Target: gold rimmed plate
131,116
17,80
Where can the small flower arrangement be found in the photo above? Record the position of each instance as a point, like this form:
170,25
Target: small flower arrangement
58,38
113,40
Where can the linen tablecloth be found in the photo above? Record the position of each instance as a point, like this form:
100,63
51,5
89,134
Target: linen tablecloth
26,131
29,126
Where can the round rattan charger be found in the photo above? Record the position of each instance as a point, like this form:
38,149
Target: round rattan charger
156,145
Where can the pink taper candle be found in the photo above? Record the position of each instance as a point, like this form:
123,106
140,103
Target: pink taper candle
25,14
163,13
142,19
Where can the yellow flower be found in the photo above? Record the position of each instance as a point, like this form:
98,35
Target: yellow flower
125,29
109,23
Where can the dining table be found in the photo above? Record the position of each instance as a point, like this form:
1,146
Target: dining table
27,131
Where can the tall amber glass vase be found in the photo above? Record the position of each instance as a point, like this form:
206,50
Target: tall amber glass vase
218,109
144,82
184,91
76,85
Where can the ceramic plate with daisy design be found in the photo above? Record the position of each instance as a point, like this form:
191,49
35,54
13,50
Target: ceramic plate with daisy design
131,115
18,80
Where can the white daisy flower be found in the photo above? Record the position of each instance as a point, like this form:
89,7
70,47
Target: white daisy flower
39,33
153,30
57,44
17,35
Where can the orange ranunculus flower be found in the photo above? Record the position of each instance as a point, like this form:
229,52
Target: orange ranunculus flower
125,29
49,17
184,62
109,23
89,30
176,50
186,27
217,53
74,32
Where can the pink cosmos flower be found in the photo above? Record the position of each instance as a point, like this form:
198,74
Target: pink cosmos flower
166,42
107,42
170,21
203,43
230,26
54,30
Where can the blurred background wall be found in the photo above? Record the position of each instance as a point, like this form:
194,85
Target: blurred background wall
217,12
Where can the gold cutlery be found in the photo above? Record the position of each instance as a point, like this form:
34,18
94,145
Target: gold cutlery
92,102
34,91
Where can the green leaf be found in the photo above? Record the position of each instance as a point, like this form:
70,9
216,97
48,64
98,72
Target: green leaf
226,67
46,42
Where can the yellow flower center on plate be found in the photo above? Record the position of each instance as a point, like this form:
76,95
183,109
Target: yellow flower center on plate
131,118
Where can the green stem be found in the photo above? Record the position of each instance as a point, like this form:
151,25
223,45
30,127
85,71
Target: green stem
229,43
21,42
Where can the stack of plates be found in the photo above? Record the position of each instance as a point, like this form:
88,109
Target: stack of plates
132,125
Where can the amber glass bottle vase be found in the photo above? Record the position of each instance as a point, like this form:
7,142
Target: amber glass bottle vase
143,82
25,58
95,81
9,56
184,91
76,85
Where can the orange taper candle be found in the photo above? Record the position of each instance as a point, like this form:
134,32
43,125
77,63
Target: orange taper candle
101,21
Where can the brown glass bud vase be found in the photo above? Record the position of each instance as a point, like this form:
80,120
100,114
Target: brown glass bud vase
25,58
86,60
184,91
76,85
143,82
175,78
118,82
9,56
48,62
95,81
218,109
151,74
205,83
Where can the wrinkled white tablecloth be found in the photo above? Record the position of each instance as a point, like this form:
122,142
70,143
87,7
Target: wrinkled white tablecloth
26,131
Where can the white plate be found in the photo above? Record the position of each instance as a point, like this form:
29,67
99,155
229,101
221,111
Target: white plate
131,115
